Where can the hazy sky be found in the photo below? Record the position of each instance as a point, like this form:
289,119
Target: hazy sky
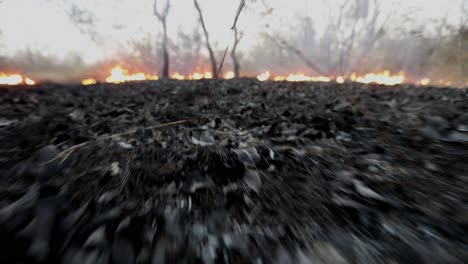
45,25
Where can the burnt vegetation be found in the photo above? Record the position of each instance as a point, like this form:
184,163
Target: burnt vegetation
241,171
172,171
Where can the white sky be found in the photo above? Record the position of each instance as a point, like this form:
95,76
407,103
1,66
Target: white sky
44,25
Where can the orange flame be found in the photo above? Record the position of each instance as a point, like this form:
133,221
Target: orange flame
229,75
89,81
193,76
264,76
425,81
208,75
120,75
294,77
177,76
15,79
196,76
384,77
29,81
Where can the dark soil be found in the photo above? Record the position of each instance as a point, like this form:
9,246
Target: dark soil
244,172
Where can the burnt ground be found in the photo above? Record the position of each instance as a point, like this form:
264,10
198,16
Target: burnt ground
247,172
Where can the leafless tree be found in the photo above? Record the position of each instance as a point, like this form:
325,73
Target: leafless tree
373,30
161,15
214,64
235,60
84,20
287,45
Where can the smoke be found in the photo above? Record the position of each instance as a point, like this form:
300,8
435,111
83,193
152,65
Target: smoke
343,37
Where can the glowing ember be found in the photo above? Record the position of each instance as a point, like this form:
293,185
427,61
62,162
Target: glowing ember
229,75
89,81
15,79
425,81
264,76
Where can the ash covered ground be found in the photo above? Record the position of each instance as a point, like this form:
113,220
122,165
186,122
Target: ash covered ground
244,172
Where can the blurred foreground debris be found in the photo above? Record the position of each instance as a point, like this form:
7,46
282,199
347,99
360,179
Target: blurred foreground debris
263,173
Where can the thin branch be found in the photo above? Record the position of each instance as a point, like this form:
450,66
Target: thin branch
222,62
162,16
239,10
72,149
207,38
235,61
283,44
377,33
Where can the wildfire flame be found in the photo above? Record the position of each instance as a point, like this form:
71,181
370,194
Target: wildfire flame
15,79
229,75
177,76
119,74
88,81
194,76
384,77
264,76
29,81
208,75
340,79
425,81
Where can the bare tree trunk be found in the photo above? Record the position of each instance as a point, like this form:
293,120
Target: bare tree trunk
197,38
235,61
166,65
162,17
214,66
